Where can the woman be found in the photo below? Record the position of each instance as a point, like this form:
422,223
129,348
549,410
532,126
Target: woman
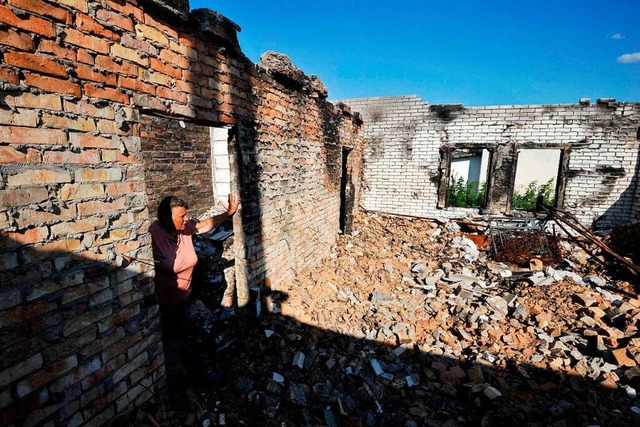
175,259
173,251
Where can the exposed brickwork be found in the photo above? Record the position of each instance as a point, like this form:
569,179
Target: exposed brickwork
35,62
50,84
17,40
404,136
90,140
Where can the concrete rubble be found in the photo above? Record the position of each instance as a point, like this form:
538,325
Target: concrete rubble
410,323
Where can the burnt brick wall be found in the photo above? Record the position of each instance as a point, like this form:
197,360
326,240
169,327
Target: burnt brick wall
295,203
84,84
404,137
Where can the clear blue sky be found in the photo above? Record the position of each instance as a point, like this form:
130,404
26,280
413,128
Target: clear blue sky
469,52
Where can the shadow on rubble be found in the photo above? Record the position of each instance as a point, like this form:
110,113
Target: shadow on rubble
273,370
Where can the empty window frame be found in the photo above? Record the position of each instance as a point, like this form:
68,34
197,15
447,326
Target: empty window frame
465,176
538,175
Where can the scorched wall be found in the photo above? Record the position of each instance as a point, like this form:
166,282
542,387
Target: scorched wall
408,140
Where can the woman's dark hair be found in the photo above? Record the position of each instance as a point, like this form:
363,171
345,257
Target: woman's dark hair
164,211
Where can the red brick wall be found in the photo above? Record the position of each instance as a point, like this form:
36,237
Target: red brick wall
83,86
290,167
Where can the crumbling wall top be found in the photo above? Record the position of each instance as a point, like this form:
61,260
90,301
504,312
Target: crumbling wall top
203,21
283,70
179,8
212,24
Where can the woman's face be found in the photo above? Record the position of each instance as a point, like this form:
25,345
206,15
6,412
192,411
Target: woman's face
179,217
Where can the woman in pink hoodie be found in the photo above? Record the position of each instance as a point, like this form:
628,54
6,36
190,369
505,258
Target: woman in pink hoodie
173,251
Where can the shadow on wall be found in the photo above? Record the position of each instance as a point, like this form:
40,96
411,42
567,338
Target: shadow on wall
81,345
273,160
625,209
343,380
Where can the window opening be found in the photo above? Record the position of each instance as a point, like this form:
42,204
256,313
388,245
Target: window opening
536,176
468,171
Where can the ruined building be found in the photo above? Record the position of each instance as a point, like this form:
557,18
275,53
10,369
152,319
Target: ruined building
108,105
411,146
105,107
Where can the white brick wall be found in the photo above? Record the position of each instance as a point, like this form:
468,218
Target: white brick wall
404,138
221,172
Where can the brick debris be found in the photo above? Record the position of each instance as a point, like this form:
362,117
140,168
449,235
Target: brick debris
401,326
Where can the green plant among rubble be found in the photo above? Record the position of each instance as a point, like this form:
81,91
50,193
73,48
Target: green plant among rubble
527,199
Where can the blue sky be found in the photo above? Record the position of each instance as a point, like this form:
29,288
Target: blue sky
469,52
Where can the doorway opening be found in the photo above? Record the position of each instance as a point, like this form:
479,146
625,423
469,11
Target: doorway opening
347,195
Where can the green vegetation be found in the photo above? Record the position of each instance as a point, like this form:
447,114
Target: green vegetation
471,195
465,195
527,199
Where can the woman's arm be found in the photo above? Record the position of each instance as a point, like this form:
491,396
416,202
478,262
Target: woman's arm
208,224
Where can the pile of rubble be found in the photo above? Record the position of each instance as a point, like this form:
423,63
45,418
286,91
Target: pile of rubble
410,323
